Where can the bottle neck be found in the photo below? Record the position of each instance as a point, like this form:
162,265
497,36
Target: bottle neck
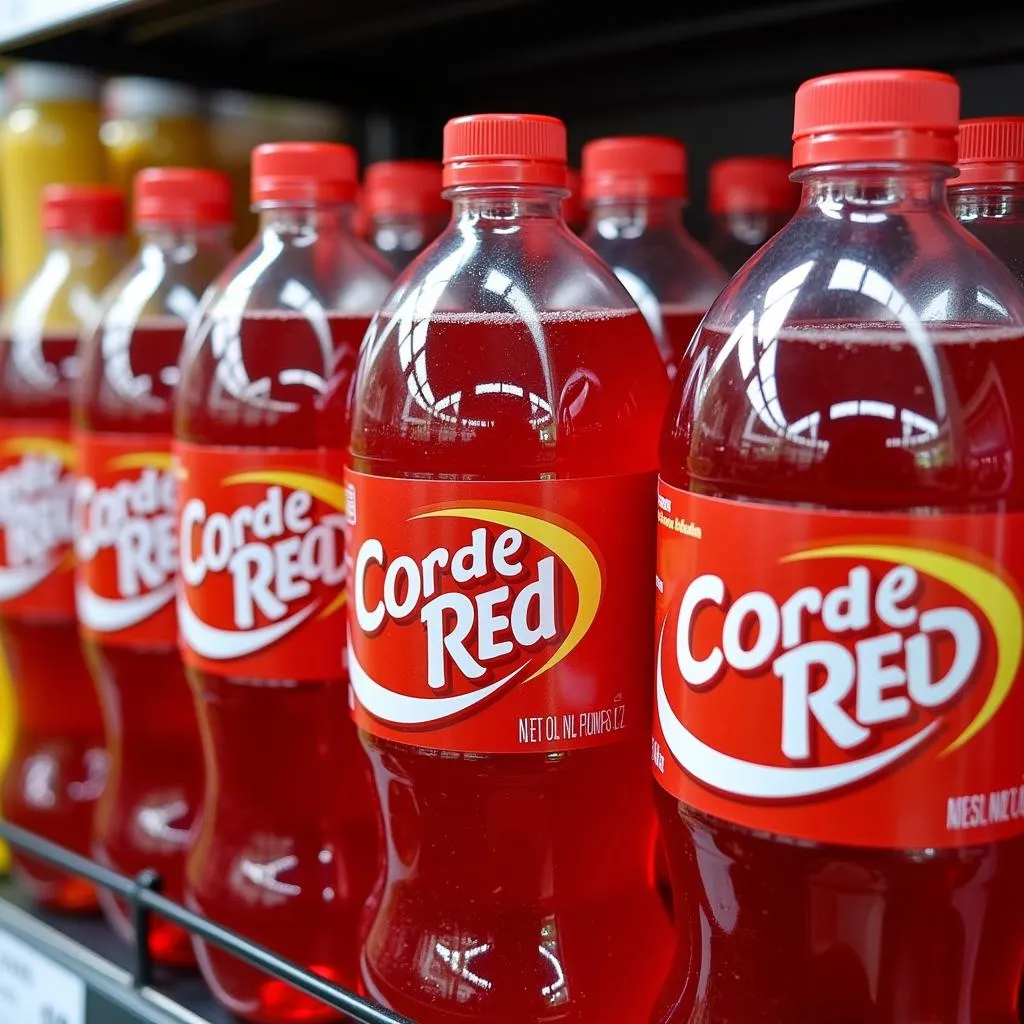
494,205
863,192
627,217
176,236
972,203
305,220
84,249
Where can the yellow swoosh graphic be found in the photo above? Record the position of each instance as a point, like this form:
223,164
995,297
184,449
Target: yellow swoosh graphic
62,451
331,494
570,549
142,460
340,598
995,599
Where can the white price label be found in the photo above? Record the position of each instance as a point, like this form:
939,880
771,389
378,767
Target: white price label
35,990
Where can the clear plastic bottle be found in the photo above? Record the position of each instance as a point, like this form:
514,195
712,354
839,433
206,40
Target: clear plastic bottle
988,195
636,188
288,847
125,536
508,395
750,198
403,207
50,136
59,763
840,550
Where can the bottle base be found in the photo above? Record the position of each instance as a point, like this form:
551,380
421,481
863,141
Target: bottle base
169,944
54,890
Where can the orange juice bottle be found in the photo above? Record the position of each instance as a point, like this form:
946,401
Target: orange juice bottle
50,135
151,122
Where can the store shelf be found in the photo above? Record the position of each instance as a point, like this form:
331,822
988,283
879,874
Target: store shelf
87,949
60,969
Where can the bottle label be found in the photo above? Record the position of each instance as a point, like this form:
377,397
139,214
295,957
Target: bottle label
261,535
505,617
126,543
844,678
37,486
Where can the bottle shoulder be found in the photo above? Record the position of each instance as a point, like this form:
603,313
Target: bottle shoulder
856,364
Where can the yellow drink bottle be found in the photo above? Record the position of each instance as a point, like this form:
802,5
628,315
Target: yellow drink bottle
50,135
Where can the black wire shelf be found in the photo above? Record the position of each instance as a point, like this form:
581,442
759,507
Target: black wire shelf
137,990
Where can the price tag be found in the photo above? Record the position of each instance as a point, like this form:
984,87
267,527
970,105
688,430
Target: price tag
35,990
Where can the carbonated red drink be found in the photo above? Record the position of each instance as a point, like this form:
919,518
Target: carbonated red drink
504,428
636,188
840,554
750,198
59,764
288,847
126,541
988,195
403,208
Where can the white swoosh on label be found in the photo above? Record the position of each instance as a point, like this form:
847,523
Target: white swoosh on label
401,709
15,582
765,781
108,615
224,644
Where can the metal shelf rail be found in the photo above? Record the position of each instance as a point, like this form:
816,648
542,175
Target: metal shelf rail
143,896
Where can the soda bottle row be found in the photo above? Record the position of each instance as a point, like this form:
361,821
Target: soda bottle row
394,593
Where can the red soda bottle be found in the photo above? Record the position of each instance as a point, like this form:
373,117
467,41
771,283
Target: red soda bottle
840,557
59,764
404,208
988,195
750,198
504,427
636,188
287,849
126,540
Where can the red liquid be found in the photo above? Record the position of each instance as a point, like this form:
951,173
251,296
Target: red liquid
146,816
518,887
58,765
777,930
288,848
678,326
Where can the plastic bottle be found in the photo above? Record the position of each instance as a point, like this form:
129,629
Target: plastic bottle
750,198
59,763
151,122
988,196
636,190
839,562
288,849
507,397
50,136
404,208
126,540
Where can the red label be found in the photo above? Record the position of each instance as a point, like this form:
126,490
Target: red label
501,617
126,543
37,488
851,679
261,536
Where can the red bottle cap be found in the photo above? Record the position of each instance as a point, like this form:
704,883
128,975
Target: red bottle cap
871,116
572,207
304,172
504,149
755,184
634,167
991,151
404,187
83,210
182,195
